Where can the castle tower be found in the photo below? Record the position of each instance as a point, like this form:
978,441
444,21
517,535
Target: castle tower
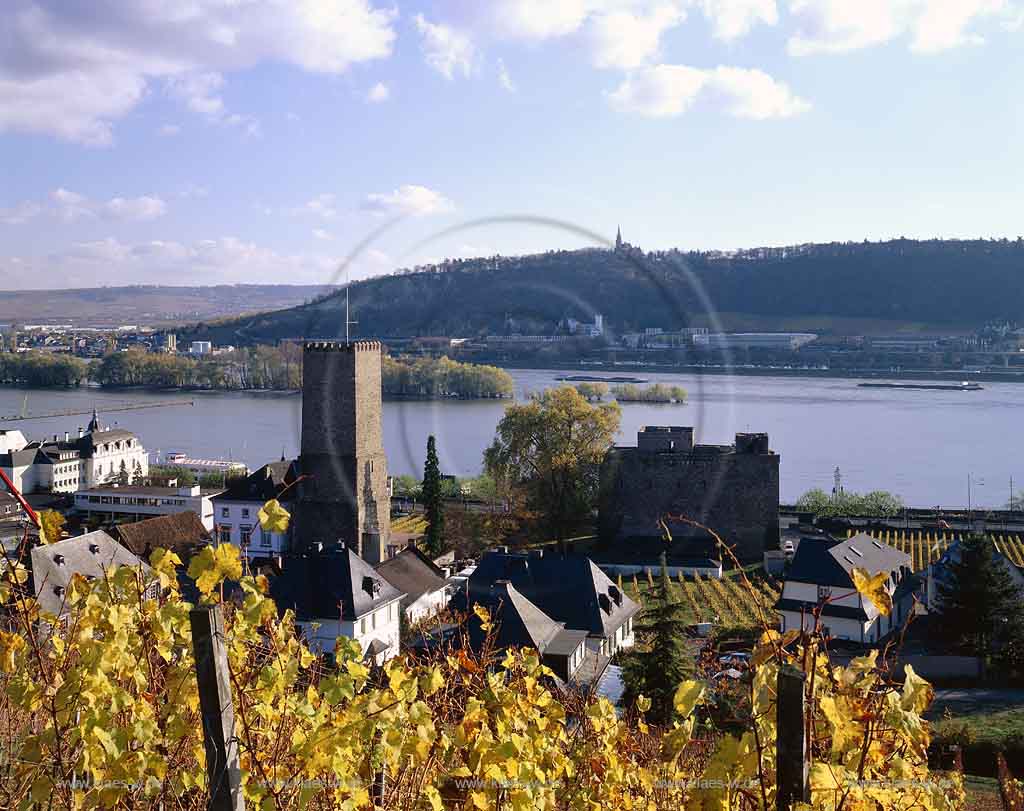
618,239
345,499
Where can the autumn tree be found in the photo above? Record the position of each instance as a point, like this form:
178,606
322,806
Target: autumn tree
433,500
551,449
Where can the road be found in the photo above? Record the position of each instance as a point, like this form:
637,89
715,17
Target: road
975,700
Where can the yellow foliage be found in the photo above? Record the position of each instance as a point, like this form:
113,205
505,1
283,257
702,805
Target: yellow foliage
273,517
873,587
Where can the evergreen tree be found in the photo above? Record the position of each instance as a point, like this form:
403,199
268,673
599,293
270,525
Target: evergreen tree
979,605
655,668
122,474
433,500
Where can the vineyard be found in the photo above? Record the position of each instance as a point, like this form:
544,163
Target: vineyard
414,524
925,546
728,599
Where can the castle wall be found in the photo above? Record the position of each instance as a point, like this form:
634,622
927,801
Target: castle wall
735,494
342,450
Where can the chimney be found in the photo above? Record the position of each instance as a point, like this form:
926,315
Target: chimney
67,436
81,433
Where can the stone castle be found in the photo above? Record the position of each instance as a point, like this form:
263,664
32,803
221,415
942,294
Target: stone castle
345,497
732,489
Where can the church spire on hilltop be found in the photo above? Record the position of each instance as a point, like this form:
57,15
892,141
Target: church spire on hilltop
618,238
94,423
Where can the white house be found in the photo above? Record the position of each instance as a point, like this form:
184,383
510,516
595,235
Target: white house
236,508
821,573
132,503
336,593
71,463
426,591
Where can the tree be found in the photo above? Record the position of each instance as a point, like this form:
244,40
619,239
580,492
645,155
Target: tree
979,605
433,500
592,391
122,477
656,668
551,449
875,503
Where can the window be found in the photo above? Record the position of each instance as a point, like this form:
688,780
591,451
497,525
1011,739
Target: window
264,538
245,531
362,625
824,592
245,512
224,512
224,531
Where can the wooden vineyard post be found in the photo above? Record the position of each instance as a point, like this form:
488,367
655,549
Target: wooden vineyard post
217,709
793,785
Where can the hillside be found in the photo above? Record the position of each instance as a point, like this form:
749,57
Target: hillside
149,305
901,284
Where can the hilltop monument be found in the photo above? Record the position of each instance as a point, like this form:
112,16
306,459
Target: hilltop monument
345,498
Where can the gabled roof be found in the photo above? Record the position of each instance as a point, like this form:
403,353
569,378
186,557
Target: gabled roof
88,555
263,484
515,620
412,572
569,588
183,533
828,562
333,584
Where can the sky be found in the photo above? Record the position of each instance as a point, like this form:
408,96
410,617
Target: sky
269,141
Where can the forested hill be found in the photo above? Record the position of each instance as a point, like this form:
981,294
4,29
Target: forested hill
936,284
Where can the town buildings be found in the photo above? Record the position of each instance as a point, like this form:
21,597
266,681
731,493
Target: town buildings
424,585
236,509
97,455
568,589
333,592
114,503
821,574
731,489
205,467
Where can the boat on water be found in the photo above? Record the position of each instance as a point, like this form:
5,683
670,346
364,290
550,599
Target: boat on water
593,379
962,386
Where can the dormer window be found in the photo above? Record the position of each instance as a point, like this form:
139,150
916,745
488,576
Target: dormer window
94,548
58,590
371,586
605,603
615,594
58,559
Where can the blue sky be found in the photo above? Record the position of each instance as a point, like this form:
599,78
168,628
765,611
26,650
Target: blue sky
212,141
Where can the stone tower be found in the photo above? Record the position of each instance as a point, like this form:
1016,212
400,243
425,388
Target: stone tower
345,499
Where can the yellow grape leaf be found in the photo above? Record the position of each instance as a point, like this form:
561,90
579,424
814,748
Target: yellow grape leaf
479,800
273,517
687,695
10,646
213,565
434,797
643,703
485,617
917,693
874,589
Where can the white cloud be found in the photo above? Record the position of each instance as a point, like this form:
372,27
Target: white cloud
540,19
626,39
735,18
378,93
321,234
447,50
137,209
665,91
71,75
168,130
225,260
323,206
836,26
504,78
71,206
409,199
21,213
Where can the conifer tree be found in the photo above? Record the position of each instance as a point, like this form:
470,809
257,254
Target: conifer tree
979,604
432,500
660,662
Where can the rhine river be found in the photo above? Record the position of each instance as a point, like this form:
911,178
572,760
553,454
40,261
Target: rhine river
921,445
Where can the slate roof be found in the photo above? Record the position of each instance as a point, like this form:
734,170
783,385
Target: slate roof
412,572
89,555
183,533
516,621
332,584
828,562
568,588
263,484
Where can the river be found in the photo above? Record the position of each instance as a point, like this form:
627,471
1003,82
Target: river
919,444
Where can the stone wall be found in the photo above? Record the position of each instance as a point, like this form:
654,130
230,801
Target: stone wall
342,452
734,493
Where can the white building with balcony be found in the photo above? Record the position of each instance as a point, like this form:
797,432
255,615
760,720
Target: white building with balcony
236,510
